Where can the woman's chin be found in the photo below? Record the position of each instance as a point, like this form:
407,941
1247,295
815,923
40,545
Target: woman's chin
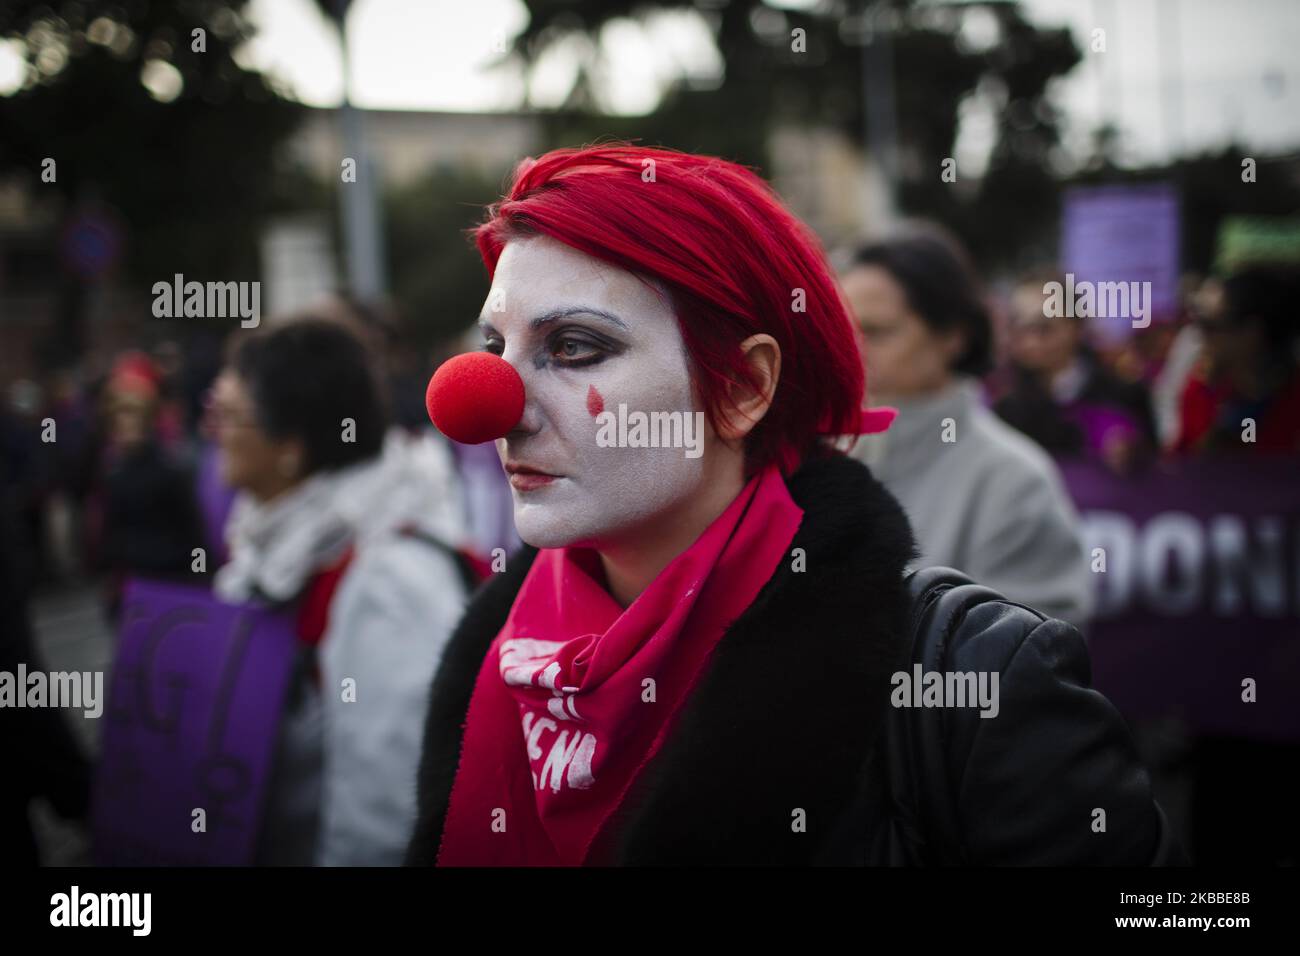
555,527
566,515
544,527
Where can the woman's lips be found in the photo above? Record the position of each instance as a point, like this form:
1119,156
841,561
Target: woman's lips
529,480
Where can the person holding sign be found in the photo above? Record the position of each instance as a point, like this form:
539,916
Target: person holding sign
356,533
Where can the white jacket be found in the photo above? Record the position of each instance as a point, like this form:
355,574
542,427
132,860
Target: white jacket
343,791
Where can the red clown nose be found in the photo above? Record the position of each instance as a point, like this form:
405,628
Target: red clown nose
475,397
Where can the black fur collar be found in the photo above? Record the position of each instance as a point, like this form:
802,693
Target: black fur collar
783,719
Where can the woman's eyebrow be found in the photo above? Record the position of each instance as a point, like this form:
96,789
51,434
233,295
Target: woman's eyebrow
562,313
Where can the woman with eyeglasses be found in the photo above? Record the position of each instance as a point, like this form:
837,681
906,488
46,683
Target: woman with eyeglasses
355,533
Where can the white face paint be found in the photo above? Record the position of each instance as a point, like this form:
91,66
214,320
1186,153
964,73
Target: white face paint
585,335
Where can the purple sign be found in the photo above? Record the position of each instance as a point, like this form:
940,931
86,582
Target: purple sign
197,690
1120,247
1197,571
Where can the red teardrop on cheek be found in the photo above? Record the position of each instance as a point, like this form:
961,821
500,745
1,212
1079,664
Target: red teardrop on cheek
595,403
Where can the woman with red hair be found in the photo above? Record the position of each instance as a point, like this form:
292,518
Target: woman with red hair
701,654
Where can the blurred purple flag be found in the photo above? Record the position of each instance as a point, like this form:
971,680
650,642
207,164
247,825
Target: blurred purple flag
1123,234
196,695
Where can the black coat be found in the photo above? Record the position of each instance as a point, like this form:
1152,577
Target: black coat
793,714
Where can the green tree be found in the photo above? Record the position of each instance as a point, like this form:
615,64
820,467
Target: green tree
437,278
770,78
155,120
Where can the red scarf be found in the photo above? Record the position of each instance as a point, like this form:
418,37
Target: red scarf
564,715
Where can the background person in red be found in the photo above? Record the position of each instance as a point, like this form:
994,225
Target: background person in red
150,516
1249,368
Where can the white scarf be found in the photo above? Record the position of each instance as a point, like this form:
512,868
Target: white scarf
277,545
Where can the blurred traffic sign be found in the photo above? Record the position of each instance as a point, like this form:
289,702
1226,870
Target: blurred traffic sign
91,244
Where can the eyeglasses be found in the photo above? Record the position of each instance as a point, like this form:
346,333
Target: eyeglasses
217,416
1034,327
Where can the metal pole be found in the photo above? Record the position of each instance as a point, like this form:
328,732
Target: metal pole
362,218
878,97
1112,83
1171,90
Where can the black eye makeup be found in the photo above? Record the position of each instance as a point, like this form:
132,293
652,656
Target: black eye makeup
578,348
567,347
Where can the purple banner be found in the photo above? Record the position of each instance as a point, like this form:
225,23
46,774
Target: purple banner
196,695
1197,571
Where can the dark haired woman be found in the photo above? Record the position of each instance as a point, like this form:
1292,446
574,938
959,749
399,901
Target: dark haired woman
692,659
354,533
981,497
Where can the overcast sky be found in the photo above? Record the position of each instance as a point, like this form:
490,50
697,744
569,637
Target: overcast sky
1213,68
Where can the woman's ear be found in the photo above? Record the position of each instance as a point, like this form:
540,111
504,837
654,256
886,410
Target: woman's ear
953,343
290,458
747,405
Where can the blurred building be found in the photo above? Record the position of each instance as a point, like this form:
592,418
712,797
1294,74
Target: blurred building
409,143
824,177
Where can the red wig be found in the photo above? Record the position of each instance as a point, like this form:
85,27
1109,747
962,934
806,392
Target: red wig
735,261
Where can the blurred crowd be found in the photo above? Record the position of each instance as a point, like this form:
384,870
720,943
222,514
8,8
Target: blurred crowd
220,464
295,468
109,467
993,388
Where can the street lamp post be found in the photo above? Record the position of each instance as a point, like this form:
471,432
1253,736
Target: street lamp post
363,236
